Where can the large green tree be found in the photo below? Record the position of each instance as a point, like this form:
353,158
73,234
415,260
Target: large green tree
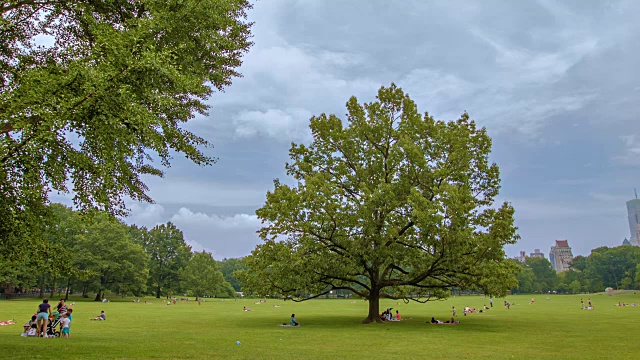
545,277
168,254
526,279
43,256
92,91
387,203
201,276
612,267
109,256
228,267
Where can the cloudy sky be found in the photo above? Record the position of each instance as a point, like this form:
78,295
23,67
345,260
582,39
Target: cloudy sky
556,83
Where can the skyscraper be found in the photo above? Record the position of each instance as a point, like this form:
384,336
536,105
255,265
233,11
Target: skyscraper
633,211
560,256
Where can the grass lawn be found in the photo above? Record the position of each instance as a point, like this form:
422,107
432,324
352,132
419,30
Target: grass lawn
550,328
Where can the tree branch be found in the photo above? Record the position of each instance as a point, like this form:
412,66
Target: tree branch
18,4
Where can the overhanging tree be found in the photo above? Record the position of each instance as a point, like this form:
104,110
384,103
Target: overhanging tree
113,89
389,204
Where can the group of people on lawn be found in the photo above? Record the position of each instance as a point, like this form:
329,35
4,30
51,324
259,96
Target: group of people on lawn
37,326
388,315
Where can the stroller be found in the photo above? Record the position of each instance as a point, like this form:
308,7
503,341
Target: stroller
51,326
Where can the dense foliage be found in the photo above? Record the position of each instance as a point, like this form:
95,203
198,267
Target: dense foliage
617,268
95,252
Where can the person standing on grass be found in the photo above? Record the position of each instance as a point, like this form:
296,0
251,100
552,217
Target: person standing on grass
582,304
491,301
453,310
44,311
65,323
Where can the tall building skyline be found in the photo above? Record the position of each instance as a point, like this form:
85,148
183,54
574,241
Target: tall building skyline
633,214
560,256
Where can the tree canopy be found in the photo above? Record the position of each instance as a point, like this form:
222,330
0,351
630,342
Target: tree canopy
96,252
112,260
617,268
168,254
389,203
92,92
202,277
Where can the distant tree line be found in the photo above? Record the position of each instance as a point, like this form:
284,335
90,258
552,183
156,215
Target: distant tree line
617,268
93,252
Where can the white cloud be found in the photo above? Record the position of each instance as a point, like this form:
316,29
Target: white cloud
224,236
287,125
148,215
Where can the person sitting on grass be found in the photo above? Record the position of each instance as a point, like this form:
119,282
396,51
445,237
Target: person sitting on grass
293,322
244,308
33,323
102,316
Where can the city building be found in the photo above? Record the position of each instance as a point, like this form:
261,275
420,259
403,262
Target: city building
522,257
633,212
537,253
560,256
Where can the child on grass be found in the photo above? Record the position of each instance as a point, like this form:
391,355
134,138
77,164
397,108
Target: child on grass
65,323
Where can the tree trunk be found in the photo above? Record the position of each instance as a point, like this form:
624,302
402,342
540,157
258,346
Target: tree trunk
158,293
374,309
53,287
98,296
66,295
42,287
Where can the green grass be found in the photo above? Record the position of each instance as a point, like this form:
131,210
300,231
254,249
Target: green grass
554,328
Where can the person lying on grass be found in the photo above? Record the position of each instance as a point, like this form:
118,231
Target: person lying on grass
448,322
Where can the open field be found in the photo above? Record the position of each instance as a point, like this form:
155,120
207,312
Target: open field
551,328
